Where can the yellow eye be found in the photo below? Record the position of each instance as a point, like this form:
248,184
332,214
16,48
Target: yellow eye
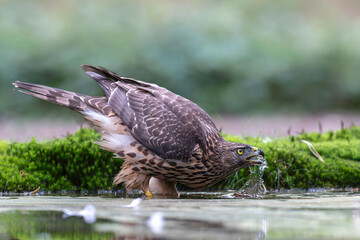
240,151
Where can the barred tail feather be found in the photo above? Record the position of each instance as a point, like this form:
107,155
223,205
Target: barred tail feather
75,101
61,97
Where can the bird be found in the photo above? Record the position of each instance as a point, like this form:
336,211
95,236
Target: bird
164,139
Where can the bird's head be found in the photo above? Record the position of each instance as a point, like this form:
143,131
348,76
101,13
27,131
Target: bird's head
239,155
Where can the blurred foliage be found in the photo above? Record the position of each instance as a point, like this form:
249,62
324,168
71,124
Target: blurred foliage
76,163
225,56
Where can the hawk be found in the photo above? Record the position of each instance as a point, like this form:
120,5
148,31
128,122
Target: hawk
163,138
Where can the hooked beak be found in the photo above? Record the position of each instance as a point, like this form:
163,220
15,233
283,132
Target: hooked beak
257,157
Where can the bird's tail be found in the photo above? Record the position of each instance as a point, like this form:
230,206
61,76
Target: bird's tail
72,100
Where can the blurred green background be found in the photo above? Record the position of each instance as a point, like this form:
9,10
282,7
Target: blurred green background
238,57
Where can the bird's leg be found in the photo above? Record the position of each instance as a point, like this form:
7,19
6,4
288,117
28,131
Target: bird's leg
148,194
162,187
146,188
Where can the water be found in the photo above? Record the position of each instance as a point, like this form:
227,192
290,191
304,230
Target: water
254,187
196,215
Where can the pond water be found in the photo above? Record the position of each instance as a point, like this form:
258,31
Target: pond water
204,215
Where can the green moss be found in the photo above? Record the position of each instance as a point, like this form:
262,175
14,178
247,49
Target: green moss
292,165
70,163
76,163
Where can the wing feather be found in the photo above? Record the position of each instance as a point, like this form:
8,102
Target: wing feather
168,124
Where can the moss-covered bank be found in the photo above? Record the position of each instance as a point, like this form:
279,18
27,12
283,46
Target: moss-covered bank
76,163
71,163
292,165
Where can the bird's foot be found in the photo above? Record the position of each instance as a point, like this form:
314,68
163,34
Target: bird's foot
148,194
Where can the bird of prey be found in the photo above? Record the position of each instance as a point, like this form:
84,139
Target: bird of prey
163,138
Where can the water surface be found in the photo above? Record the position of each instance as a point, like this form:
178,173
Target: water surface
204,215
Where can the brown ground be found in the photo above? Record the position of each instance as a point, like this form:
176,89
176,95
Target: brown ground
272,126
282,125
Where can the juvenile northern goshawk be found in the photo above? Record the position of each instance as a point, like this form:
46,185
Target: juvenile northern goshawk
162,137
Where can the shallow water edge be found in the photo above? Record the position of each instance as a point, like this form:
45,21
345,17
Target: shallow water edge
204,215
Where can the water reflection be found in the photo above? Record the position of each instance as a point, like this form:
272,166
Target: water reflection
193,216
51,225
356,220
46,225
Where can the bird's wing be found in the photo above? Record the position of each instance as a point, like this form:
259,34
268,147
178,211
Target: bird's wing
169,125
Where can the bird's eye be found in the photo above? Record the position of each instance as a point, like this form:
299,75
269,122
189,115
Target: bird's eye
240,151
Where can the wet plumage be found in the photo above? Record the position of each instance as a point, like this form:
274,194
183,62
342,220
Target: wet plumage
163,138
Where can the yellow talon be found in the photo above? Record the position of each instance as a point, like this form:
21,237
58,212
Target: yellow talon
148,194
